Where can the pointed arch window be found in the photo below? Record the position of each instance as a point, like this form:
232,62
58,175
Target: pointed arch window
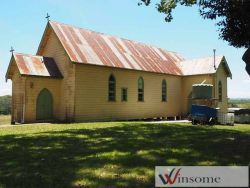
164,91
140,89
111,88
220,91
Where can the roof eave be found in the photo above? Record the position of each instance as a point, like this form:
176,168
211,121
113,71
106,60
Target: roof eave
52,29
82,63
40,76
43,38
208,73
227,67
8,70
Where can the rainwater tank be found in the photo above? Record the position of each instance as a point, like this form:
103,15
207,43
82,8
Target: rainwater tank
202,91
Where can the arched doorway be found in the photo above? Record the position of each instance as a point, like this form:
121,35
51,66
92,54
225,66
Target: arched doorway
44,105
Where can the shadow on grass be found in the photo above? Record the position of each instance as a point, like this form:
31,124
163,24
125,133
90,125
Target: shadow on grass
120,156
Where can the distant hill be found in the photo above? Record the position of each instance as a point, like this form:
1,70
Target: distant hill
5,105
239,103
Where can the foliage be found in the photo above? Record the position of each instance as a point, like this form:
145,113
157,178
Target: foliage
115,154
5,105
234,17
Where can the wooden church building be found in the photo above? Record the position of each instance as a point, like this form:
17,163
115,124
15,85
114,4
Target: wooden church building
81,75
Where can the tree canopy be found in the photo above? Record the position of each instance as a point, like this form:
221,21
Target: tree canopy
233,18
5,105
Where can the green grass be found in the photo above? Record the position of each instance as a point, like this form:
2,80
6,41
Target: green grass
4,119
116,154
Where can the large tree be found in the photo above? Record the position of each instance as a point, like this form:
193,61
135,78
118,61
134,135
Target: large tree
233,19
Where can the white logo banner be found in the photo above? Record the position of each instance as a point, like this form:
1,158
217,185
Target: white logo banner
201,176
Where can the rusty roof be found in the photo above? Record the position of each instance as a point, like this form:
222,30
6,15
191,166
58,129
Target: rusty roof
89,47
203,66
35,66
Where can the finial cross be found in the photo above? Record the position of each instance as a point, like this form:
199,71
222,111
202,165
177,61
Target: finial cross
47,17
12,49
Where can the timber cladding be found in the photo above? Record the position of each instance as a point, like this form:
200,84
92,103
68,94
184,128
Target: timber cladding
34,85
92,94
54,49
221,76
18,83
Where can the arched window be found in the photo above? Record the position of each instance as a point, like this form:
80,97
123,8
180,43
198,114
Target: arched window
111,94
220,91
164,90
140,89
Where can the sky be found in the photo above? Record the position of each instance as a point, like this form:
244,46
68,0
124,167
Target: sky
22,23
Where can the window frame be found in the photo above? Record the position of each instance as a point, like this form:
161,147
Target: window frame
126,94
140,89
164,91
111,91
220,92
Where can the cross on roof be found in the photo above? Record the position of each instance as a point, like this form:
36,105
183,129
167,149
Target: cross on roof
48,16
12,49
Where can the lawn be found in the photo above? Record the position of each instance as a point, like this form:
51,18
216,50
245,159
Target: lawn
4,119
115,154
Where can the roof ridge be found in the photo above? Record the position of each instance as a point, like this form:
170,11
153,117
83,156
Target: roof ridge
25,54
205,57
110,35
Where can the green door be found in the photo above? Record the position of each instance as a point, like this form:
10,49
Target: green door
44,105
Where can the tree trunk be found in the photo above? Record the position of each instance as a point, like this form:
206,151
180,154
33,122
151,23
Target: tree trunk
246,58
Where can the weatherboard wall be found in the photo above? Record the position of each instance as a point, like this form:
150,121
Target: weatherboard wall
18,85
33,87
54,48
221,75
92,94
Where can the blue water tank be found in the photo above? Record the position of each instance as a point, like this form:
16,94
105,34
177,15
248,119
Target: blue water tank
202,110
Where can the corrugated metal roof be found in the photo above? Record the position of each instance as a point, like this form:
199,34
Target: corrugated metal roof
85,46
200,66
36,65
202,85
89,47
